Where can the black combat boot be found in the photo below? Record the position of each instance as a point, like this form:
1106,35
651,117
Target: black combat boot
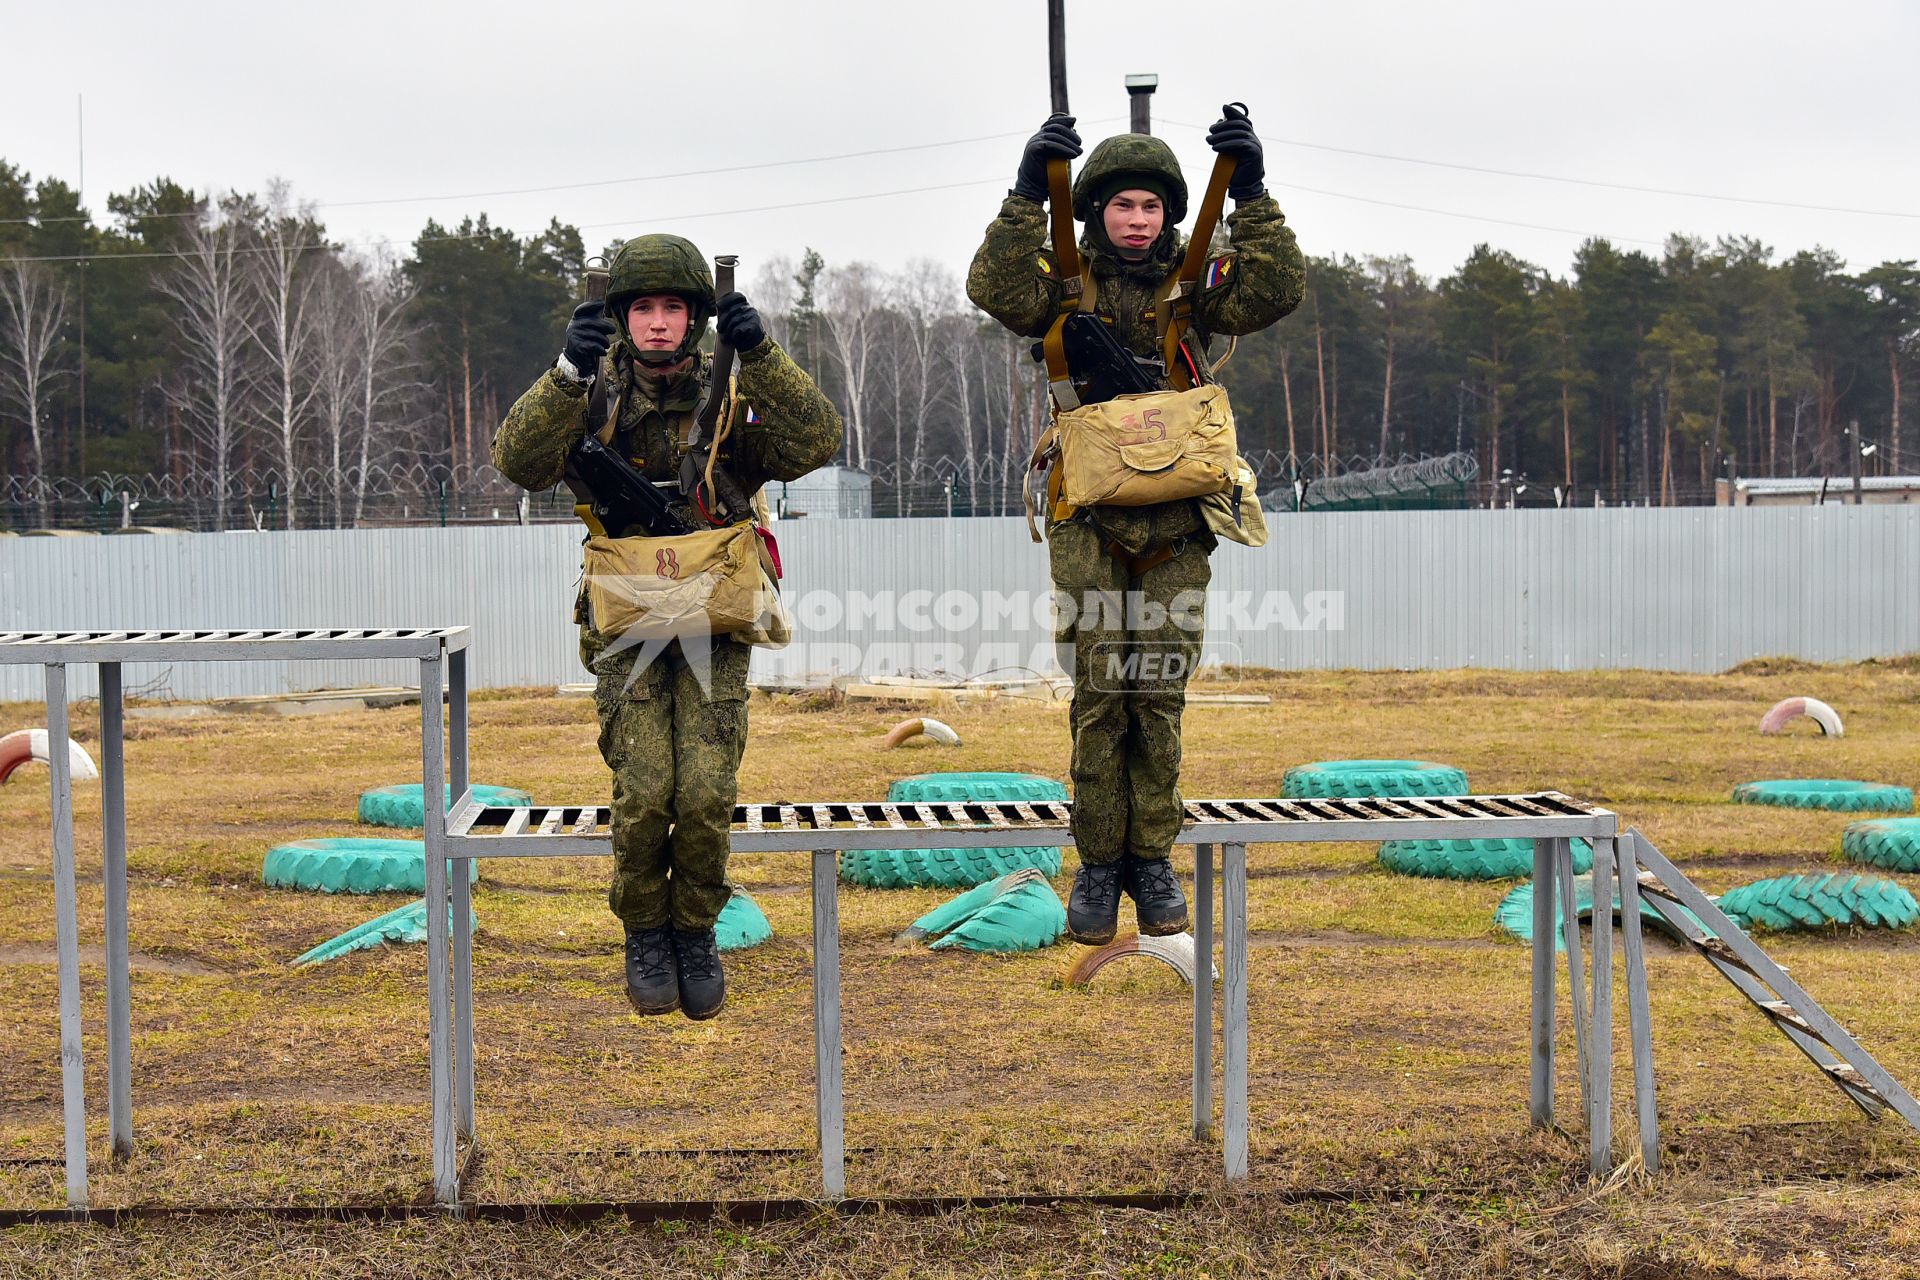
1157,901
652,985
703,986
1093,908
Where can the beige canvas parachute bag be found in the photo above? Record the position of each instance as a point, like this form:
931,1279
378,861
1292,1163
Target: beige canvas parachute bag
721,581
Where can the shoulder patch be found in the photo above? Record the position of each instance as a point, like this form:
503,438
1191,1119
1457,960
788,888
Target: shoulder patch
1219,271
1046,265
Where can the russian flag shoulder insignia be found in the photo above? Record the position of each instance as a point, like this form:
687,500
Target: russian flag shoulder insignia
1219,271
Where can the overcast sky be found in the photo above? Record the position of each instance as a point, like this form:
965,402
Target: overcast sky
387,114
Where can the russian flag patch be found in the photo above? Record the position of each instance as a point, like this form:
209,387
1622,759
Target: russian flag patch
752,417
1217,271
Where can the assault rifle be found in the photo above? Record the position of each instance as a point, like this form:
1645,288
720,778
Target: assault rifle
1100,367
626,503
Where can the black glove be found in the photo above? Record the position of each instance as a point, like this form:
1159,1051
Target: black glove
1232,135
589,334
1055,141
738,323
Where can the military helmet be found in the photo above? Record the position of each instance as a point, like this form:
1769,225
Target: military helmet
1119,162
662,263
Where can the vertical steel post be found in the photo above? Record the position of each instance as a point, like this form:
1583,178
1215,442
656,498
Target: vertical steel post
829,1101
1541,1079
1202,992
446,1189
1233,907
462,902
1639,1015
113,814
1600,1042
66,929
1576,969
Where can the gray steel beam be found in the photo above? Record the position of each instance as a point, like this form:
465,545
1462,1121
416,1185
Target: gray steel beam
1639,1012
446,1184
66,930
1202,992
462,907
1576,971
1234,908
1540,1080
113,821
1600,1043
830,1107
296,644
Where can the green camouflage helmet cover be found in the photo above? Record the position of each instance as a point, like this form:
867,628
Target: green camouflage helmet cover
1129,156
662,263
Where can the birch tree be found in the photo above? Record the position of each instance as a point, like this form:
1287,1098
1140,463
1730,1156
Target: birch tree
852,297
386,338
215,376
33,305
283,325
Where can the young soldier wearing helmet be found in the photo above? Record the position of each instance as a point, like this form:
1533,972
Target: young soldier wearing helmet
1125,718
673,723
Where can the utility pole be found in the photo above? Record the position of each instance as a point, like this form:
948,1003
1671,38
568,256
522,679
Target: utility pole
1853,457
80,202
1140,101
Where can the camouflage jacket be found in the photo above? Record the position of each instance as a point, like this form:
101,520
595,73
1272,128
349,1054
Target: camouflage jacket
783,427
1015,279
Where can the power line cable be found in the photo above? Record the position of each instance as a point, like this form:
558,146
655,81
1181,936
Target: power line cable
606,182
1583,182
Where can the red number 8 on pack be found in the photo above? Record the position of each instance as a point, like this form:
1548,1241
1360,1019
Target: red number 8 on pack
666,564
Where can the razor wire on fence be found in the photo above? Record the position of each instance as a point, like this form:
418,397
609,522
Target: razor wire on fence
433,493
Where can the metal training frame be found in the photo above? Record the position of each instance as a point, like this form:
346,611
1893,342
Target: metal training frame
437,649
465,830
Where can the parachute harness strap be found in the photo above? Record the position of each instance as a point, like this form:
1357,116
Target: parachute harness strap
1174,315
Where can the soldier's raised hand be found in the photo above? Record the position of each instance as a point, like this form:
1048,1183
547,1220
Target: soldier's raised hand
738,323
1232,135
1055,141
589,334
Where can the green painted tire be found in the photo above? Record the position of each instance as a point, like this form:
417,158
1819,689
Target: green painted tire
955,868
742,924
353,865
1353,779
401,806
1019,912
1841,794
1515,912
1893,843
1471,859
1820,902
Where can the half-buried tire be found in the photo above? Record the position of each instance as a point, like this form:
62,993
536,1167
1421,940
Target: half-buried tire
1471,859
401,806
1841,794
1893,843
352,865
1352,779
955,868
1820,902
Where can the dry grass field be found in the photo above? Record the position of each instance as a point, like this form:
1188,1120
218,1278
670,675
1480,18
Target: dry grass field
1389,1019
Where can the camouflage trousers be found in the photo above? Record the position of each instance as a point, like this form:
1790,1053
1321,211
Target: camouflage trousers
1130,641
674,748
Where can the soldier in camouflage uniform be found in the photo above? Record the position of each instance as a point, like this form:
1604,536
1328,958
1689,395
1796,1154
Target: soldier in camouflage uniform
1126,727
673,732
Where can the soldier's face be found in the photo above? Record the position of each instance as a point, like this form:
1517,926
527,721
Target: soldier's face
658,321
1133,220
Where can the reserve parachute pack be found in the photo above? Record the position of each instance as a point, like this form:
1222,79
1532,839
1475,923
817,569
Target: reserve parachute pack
649,574
1114,441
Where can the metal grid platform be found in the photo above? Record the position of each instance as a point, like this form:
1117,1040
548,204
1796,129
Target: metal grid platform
1226,827
440,651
